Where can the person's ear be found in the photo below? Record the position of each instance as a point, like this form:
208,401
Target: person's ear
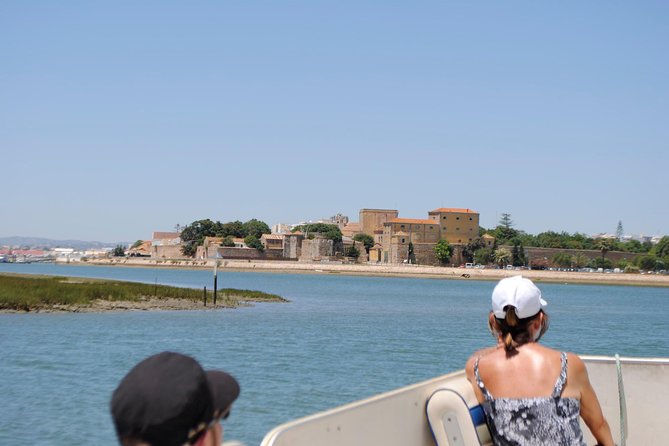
493,325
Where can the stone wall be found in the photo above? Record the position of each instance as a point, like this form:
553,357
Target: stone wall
548,253
292,246
247,254
316,249
167,252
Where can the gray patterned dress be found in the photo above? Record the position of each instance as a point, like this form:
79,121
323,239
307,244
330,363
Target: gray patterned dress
550,421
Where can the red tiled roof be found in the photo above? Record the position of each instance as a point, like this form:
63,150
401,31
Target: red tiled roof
454,210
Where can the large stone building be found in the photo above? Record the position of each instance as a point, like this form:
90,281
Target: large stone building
372,220
398,233
458,226
166,245
455,225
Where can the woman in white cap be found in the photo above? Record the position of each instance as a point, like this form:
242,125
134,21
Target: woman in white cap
531,394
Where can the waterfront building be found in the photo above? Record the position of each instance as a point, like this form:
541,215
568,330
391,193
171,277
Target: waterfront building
455,225
166,245
272,241
372,220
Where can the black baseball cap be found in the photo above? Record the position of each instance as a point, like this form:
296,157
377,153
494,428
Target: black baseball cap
168,399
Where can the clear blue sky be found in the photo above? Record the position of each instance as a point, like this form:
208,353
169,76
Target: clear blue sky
121,118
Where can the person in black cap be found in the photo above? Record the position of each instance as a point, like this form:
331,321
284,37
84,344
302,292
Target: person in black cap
168,399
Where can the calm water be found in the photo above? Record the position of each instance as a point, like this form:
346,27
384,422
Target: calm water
340,339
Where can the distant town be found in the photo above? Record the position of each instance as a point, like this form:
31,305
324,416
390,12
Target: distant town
447,237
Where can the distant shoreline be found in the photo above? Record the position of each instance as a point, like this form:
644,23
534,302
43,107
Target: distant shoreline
384,270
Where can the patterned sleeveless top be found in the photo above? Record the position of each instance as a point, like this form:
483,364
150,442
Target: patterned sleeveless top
550,421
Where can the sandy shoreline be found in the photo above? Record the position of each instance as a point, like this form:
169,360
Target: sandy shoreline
398,271
118,306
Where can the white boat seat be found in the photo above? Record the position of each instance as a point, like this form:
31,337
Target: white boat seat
453,422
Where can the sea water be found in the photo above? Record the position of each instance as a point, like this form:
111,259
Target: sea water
341,338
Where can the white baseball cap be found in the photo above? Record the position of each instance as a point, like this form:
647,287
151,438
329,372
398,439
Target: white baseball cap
519,292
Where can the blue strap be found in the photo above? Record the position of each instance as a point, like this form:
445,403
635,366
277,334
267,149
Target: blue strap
478,415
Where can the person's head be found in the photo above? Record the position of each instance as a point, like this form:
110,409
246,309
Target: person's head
168,399
517,315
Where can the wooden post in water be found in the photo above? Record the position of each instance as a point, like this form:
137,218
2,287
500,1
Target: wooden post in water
215,279
205,296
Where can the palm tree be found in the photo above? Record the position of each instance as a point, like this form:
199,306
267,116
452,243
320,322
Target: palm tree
502,256
604,245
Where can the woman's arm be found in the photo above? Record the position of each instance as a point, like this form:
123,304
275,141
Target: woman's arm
591,411
471,377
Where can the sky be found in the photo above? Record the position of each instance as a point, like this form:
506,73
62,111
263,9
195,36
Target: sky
122,118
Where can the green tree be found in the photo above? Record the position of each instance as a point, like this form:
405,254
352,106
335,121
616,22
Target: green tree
412,254
505,221
517,254
118,251
232,229
254,242
255,228
552,239
136,244
562,259
601,263
622,264
484,256
645,262
366,239
193,235
504,235
443,251
662,247
632,246
471,247
352,251
228,241
580,260
604,246
502,256
329,231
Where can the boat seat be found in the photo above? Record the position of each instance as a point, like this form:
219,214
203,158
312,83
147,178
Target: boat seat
453,422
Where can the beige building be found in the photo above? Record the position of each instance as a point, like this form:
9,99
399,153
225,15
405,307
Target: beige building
458,226
272,241
166,245
399,232
372,220
455,225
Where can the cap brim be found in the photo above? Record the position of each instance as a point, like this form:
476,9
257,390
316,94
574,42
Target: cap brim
224,389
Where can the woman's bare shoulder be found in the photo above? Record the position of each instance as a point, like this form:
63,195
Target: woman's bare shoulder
575,362
478,354
576,366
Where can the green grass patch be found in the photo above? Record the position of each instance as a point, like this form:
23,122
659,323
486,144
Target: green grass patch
26,293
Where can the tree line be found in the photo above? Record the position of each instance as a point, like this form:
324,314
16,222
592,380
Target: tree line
648,256
193,235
